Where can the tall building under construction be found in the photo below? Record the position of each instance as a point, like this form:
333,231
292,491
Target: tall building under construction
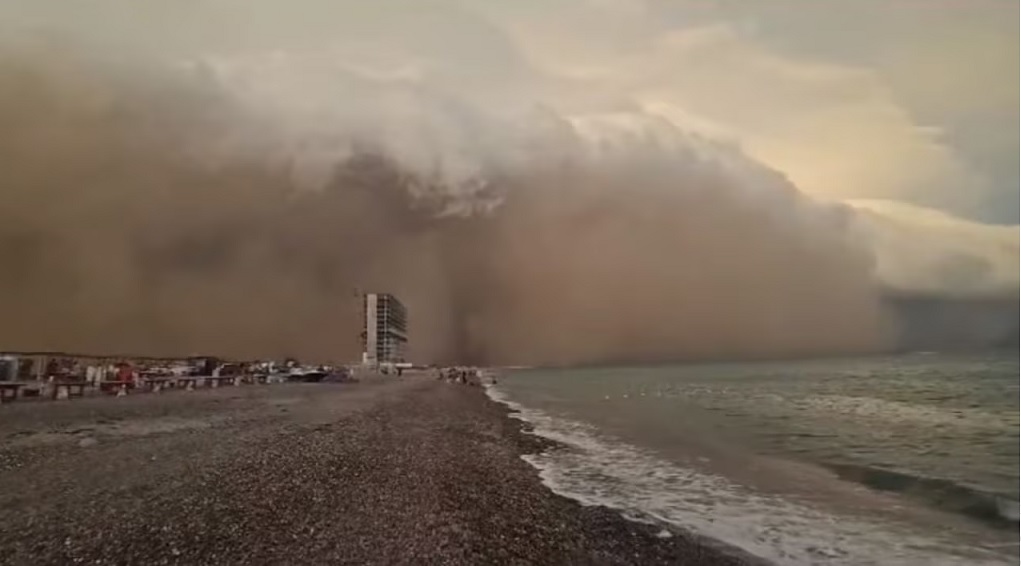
385,334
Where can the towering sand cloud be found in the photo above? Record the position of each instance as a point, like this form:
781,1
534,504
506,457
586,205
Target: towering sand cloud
226,183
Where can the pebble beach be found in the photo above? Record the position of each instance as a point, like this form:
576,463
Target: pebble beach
385,471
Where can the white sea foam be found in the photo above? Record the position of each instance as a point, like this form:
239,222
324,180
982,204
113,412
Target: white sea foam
596,470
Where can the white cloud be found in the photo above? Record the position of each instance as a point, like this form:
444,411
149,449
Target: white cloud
923,250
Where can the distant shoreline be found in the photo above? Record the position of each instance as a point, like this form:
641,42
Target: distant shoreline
962,351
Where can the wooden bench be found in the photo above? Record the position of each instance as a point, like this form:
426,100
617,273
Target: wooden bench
68,389
9,391
157,383
188,382
114,387
215,381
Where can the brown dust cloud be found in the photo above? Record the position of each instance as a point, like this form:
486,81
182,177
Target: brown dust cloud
129,225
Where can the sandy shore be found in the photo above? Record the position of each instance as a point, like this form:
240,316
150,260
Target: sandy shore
385,472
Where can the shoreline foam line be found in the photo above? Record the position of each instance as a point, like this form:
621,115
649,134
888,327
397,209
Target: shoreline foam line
540,443
594,470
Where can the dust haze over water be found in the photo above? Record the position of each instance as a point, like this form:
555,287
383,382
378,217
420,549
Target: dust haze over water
223,178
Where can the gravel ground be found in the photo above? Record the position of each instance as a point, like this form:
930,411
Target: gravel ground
409,471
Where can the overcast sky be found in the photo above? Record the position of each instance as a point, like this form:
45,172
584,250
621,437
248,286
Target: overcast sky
911,99
793,161
915,100
950,64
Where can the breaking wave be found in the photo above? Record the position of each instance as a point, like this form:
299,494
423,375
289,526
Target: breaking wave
596,470
996,509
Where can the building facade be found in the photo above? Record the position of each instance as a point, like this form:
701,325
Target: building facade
385,329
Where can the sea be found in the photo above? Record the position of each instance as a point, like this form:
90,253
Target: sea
892,460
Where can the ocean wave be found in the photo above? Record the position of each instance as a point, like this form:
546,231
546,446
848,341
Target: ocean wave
597,470
997,509
897,412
